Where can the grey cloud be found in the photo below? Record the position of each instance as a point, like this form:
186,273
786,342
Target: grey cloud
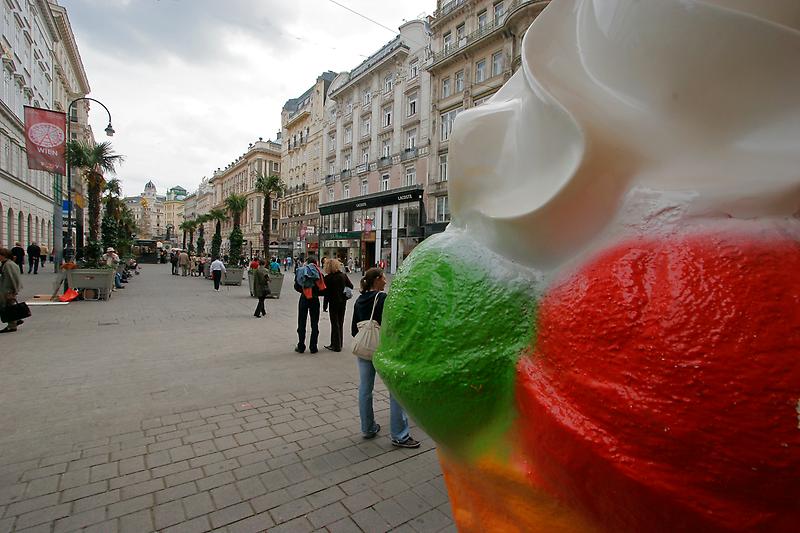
191,30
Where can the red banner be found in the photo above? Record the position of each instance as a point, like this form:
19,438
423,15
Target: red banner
45,139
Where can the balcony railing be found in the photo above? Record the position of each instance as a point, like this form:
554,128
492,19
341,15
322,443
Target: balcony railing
329,179
384,162
362,168
437,187
408,153
345,173
449,7
486,29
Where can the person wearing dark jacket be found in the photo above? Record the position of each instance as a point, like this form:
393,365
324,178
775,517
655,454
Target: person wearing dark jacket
308,306
34,252
18,253
260,287
336,301
372,295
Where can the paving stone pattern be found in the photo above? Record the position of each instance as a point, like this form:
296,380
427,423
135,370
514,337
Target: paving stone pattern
292,462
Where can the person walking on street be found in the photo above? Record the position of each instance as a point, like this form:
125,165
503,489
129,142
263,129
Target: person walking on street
183,261
173,260
336,282
43,256
10,285
260,288
34,252
217,269
370,303
18,253
309,283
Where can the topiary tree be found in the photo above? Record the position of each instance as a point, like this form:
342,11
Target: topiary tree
236,204
218,216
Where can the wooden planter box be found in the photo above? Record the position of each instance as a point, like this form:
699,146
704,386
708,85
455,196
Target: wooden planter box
232,276
100,279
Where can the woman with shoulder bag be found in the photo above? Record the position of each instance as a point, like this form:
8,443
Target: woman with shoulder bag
369,308
260,288
337,287
10,285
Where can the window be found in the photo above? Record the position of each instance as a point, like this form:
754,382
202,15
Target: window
386,148
346,191
348,135
480,71
498,12
330,194
348,109
387,116
447,123
365,155
445,87
388,83
332,142
447,41
459,77
365,127
412,104
366,98
461,35
274,205
346,161
364,187
413,69
497,63
442,209
411,139
411,177
482,19
443,167
385,182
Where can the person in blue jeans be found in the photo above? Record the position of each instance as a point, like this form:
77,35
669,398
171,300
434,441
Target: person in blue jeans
372,285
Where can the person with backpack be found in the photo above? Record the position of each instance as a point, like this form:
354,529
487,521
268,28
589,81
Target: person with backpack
369,306
309,282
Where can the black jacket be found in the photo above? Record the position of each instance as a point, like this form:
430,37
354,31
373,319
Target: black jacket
19,253
34,250
363,308
334,287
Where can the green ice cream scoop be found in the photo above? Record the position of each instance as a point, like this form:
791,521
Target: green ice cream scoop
456,320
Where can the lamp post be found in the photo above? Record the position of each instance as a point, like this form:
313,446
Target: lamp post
69,251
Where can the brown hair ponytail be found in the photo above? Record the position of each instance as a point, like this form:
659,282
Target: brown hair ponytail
368,281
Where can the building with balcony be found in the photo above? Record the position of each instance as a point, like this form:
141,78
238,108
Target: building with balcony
174,205
477,46
41,67
148,212
302,121
239,177
376,146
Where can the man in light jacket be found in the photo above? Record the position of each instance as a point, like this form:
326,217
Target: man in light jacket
10,285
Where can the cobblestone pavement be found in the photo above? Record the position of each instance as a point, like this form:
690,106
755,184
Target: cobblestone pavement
171,409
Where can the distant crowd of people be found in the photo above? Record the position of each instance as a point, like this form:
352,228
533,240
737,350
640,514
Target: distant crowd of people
37,256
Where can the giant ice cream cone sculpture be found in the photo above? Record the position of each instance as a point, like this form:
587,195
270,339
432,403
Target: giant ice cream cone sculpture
607,337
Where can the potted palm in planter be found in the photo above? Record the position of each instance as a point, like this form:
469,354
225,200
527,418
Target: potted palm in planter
236,204
270,186
92,161
218,216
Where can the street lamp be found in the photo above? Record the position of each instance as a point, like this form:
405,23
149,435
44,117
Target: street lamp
69,251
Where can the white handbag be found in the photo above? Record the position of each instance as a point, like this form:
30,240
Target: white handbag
368,336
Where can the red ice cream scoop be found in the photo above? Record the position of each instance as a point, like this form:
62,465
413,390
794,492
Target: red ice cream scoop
662,391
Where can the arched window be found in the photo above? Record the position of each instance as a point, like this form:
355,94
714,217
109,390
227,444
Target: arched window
20,229
29,235
10,227
35,236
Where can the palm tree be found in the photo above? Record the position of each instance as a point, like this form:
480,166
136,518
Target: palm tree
93,161
109,226
186,226
218,216
236,204
201,242
268,185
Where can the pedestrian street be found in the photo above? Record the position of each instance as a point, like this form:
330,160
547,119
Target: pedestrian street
171,408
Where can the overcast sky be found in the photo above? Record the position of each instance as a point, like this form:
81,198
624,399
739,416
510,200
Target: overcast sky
190,83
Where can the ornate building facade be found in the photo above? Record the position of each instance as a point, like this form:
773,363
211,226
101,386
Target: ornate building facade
376,145
476,47
41,67
302,122
149,213
239,177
